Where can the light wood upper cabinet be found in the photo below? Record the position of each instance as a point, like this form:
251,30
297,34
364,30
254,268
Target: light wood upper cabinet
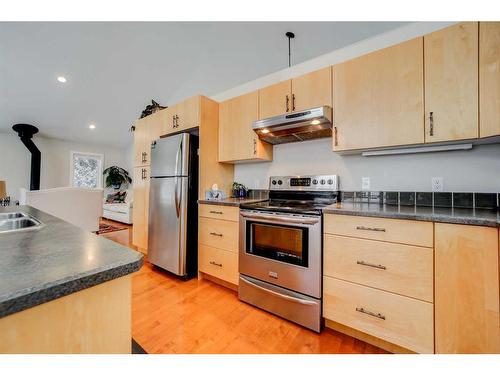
168,120
312,90
140,142
307,91
451,83
141,207
275,100
182,116
237,140
466,289
378,98
489,79
188,113
147,130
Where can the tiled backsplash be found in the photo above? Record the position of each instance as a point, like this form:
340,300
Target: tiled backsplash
441,199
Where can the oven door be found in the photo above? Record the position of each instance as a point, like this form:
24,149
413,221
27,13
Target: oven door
282,249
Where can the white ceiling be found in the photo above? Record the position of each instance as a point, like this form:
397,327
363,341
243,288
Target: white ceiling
115,69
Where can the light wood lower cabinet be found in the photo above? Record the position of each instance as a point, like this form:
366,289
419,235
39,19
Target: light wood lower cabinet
219,263
140,211
95,320
401,269
408,232
467,290
221,234
219,212
444,296
403,321
218,235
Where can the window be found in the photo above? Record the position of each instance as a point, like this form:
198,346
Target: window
86,170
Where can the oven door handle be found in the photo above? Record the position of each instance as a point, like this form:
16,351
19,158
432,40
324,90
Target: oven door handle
283,296
280,219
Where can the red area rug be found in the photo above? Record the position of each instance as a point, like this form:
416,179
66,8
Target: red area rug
106,228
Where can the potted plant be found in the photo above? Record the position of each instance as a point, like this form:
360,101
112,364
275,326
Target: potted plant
116,176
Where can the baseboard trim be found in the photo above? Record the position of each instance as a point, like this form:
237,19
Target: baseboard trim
372,340
216,280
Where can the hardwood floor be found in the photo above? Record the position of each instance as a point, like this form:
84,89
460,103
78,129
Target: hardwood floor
170,315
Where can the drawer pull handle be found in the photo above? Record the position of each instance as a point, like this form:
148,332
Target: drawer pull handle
216,212
371,229
216,234
215,263
363,263
375,315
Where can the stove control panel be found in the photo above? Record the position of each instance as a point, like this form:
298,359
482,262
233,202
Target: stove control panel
304,183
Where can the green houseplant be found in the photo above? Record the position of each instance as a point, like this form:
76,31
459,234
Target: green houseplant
116,176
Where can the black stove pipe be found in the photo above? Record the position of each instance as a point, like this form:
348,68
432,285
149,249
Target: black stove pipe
26,132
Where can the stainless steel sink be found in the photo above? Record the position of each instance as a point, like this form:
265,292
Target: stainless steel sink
18,221
11,215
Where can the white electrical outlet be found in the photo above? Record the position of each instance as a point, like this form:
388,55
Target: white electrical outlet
365,183
437,183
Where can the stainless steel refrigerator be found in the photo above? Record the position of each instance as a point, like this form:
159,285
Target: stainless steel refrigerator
173,209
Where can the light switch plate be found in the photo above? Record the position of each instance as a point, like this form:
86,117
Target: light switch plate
437,184
365,183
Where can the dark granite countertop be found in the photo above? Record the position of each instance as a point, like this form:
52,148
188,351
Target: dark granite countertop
471,216
55,260
235,202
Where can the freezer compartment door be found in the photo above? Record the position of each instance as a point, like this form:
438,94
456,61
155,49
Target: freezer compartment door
167,223
169,156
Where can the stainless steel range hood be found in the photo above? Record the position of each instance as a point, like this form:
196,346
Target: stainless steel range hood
296,126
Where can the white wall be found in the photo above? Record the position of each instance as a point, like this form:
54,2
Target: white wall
15,161
474,170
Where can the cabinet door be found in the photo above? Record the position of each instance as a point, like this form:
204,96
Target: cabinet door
378,98
312,90
489,79
466,289
451,83
237,140
168,120
188,114
154,131
141,207
275,100
140,140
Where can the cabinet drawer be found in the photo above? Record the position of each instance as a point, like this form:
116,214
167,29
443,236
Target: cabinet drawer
396,268
221,234
409,232
404,321
219,263
219,212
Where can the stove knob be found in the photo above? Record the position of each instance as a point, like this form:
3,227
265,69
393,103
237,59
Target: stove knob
280,182
315,182
330,181
322,182
273,182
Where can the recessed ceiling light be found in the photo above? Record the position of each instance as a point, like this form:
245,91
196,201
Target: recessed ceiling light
264,131
91,126
62,79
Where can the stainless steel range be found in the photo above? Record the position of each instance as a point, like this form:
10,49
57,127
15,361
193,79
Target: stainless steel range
280,248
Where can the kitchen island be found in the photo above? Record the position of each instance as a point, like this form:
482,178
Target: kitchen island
63,290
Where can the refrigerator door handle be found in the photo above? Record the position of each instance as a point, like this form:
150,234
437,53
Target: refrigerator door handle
176,197
178,158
